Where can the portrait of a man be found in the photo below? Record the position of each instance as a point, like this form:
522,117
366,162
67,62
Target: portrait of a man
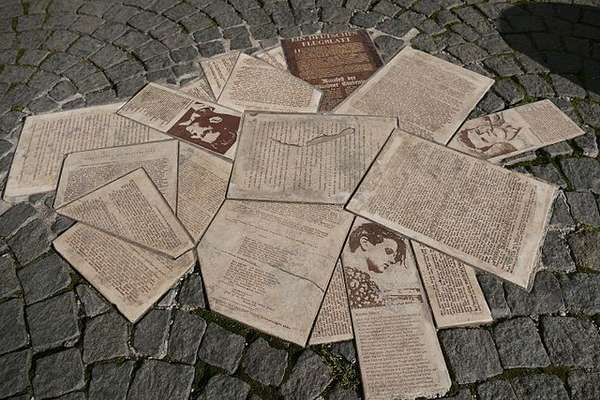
201,125
490,136
373,250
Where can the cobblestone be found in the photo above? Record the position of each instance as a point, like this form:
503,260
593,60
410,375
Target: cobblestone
519,344
58,373
221,348
53,322
44,278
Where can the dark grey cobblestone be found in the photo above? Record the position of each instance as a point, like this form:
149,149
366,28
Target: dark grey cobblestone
221,348
105,337
110,381
571,342
44,278
544,298
309,377
14,369
53,322
58,373
12,326
265,364
519,344
223,387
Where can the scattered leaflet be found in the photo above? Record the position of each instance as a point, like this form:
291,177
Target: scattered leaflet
454,293
85,171
479,213
46,139
131,208
259,258
336,63
273,56
431,97
333,322
201,188
200,123
398,349
128,276
514,131
198,88
217,69
312,158
256,85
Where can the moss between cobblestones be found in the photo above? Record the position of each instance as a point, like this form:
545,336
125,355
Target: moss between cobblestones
343,371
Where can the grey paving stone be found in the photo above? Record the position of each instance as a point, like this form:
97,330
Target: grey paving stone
464,394
585,246
44,278
264,363
9,284
30,241
340,393
221,348
584,386
556,255
105,337
567,86
471,354
58,373
545,296
223,387
583,207
157,380
151,333
93,302
15,217
14,370
558,149
509,91
571,342
549,173
583,173
561,219
187,332
346,350
496,390
110,380
308,378
519,344
588,143
53,322
535,86
12,326
467,52
191,295
493,291
540,387
581,292
503,65
590,112
492,103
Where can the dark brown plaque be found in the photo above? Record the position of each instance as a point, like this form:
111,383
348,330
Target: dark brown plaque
336,63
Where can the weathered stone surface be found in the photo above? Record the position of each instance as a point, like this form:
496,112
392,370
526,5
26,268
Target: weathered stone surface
223,387
58,373
493,291
93,302
561,219
151,333
471,354
30,241
556,255
340,393
496,390
584,385
585,246
583,173
14,370
345,349
545,296
571,342
44,278
519,344
221,348
540,387
186,334
53,322
309,377
157,380
558,149
588,143
549,173
464,394
583,207
15,217
12,326
9,284
191,295
110,381
105,337
581,292
264,363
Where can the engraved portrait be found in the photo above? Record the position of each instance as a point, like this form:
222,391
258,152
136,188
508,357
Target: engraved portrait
204,126
489,136
373,251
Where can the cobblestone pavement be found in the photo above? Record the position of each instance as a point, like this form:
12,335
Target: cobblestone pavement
60,339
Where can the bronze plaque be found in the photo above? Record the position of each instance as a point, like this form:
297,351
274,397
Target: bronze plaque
336,63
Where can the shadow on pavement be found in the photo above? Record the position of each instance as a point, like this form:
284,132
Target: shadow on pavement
561,38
